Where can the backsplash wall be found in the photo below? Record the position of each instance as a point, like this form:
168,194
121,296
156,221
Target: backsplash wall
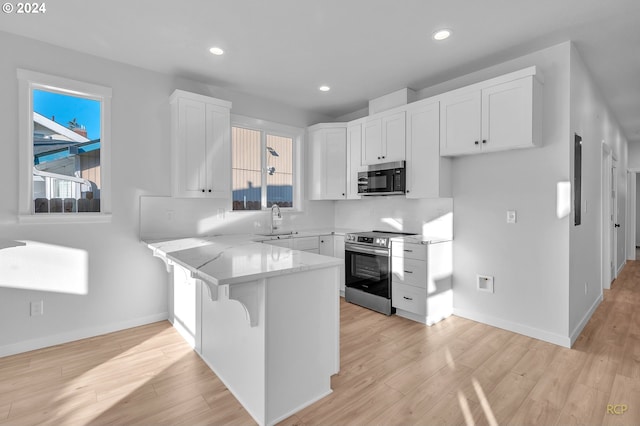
167,217
429,217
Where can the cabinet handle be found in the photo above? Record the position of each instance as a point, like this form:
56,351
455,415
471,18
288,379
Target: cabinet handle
408,272
322,241
383,157
408,191
408,298
408,251
203,190
343,194
484,141
209,190
378,158
477,143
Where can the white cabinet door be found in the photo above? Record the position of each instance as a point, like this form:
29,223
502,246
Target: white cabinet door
428,175
191,148
218,151
507,111
383,139
327,165
201,146
326,245
335,164
393,137
460,121
354,159
372,142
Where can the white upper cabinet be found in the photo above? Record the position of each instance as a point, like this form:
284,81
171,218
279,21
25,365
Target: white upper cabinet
501,114
428,175
383,138
328,162
201,146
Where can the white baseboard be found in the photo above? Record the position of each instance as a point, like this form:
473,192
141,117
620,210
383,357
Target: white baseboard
58,339
536,333
585,319
621,268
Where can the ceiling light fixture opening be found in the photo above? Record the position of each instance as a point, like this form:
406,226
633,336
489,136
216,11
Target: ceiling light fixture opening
324,88
216,51
442,34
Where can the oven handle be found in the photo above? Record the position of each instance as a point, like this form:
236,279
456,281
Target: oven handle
366,250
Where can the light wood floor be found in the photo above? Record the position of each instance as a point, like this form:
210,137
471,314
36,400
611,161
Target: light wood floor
394,372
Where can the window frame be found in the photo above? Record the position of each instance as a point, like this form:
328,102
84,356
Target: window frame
275,129
27,82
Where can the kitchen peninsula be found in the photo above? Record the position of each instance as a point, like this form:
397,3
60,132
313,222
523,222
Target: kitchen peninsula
264,318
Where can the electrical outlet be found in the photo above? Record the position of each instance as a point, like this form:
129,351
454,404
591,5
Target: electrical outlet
484,283
511,216
37,308
171,215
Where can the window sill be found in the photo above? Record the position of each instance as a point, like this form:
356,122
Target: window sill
55,218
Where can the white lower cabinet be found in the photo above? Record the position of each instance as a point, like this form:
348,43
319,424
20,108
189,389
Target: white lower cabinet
333,245
421,281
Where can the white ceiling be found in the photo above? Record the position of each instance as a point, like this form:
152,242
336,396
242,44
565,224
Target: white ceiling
284,49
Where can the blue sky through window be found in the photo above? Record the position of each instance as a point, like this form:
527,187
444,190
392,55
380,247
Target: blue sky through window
65,108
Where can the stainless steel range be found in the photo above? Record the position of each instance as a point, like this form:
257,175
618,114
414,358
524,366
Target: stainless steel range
368,269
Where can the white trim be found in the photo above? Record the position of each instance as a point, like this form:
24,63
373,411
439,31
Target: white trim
29,80
585,319
72,336
283,130
526,330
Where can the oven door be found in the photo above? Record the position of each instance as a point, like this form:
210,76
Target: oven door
368,269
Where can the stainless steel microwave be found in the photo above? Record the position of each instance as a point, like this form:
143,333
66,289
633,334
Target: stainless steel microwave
382,179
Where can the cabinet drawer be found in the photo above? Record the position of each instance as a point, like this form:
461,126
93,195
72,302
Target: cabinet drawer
305,243
409,271
409,298
409,250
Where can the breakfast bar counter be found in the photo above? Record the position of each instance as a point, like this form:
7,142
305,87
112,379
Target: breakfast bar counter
264,318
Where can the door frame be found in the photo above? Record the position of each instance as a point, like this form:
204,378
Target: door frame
632,175
607,254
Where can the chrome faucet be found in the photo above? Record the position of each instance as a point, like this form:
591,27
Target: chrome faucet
278,215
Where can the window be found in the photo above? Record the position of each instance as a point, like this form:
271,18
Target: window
264,164
64,137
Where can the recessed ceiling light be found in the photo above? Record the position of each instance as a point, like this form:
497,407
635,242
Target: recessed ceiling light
324,88
441,34
216,51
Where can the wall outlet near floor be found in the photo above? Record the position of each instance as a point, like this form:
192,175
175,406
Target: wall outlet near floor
484,283
37,308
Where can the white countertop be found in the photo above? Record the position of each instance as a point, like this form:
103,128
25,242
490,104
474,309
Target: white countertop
230,259
420,239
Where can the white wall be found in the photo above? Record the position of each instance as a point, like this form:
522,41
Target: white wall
429,217
529,260
591,119
124,284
